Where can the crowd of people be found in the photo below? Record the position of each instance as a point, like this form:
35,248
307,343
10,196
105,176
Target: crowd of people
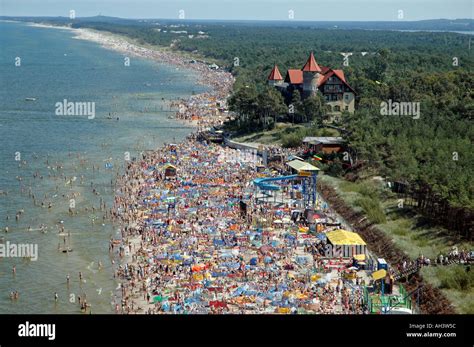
196,240
455,256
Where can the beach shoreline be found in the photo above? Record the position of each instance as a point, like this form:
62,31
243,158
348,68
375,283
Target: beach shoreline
196,111
199,111
202,111
159,54
191,110
204,224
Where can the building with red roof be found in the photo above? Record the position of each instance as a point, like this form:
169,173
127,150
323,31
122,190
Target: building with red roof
313,78
294,77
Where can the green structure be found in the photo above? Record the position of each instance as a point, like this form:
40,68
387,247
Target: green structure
378,303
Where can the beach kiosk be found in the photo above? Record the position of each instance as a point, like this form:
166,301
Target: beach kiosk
346,244
170,171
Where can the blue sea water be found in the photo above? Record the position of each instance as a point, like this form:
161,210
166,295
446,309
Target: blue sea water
63,149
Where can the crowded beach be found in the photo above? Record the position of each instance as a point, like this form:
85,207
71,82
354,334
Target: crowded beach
199,236
188,245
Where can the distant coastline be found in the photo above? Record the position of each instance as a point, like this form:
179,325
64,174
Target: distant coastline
220,82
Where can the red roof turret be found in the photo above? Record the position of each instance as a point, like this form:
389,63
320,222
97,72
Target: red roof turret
275,74
311,64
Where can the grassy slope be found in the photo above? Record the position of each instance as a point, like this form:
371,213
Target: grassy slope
415,237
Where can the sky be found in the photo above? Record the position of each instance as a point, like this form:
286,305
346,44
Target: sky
307,10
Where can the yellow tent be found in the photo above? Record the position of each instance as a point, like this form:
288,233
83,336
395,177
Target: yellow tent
377,275
359,257
347,242
344,238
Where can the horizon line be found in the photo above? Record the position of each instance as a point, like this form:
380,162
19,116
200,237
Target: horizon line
246,20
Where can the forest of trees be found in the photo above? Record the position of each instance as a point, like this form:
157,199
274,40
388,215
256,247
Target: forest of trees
432,68
260,110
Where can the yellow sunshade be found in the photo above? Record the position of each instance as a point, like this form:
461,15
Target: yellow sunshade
377,275
343,237
299,165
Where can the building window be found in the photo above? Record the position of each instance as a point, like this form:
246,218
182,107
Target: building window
346,97
347,108
333,88
337,108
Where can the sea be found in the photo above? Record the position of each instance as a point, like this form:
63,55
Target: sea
52,161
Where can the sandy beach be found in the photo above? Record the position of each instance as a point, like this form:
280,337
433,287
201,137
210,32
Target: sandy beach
188,247
196,236
46,182
185,246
